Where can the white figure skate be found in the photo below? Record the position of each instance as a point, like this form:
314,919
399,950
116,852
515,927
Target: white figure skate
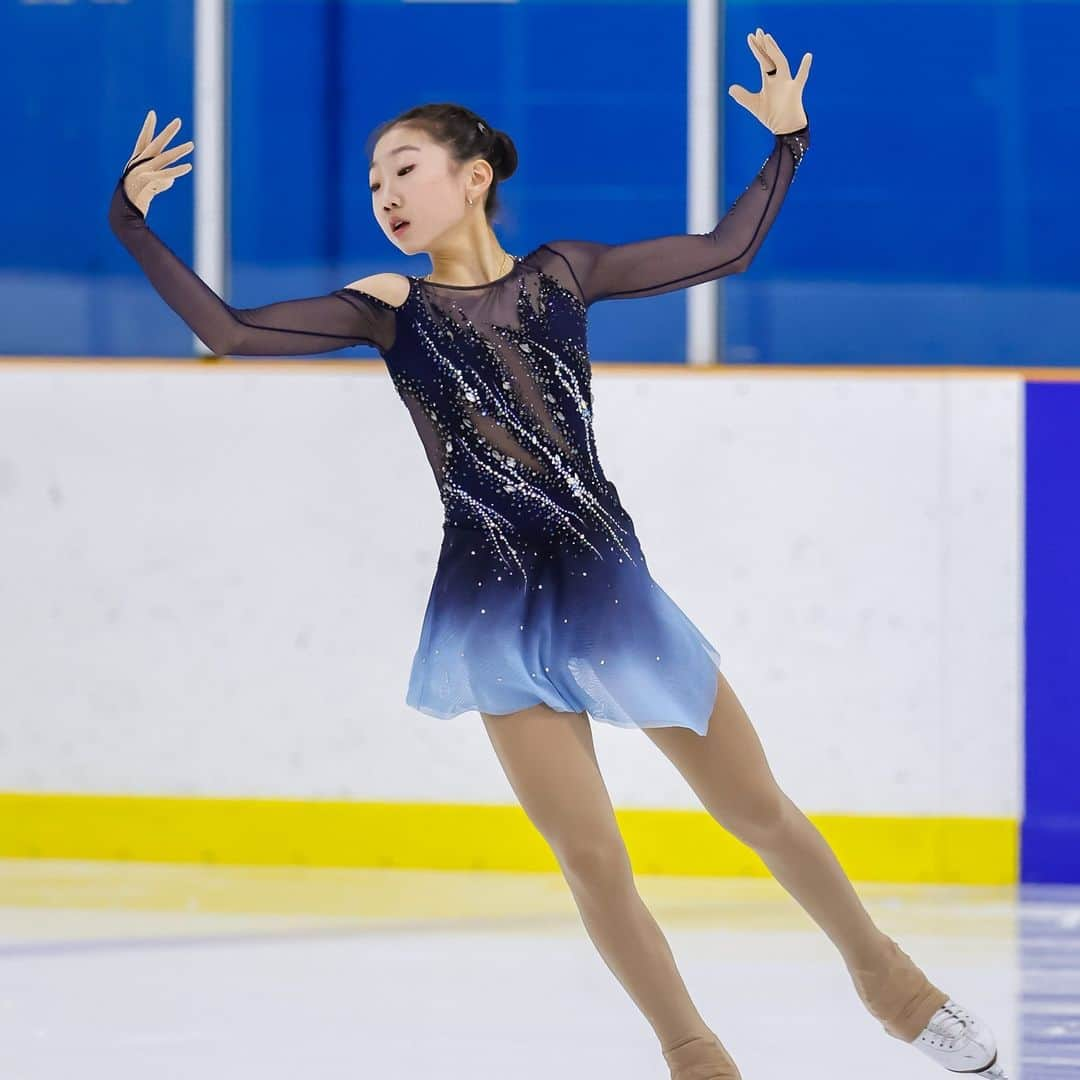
961,1042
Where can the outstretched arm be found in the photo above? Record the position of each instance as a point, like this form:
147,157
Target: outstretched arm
290,327
649,267
659,265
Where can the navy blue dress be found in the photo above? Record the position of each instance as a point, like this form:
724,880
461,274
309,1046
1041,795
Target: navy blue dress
541,591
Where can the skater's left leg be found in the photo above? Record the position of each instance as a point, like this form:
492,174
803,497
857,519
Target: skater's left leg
728,771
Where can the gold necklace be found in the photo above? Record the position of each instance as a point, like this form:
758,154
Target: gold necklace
497,276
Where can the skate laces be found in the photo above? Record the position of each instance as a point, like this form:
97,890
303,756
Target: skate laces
950,1022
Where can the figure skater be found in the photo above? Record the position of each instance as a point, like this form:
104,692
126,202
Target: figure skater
542,610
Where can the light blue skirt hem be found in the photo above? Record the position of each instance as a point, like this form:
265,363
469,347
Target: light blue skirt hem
600,715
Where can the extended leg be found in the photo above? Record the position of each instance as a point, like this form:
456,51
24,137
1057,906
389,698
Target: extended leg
728,771
549,759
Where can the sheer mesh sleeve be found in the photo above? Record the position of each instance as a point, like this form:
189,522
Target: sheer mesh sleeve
287,328
659,265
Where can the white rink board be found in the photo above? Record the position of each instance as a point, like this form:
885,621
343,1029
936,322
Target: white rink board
213,579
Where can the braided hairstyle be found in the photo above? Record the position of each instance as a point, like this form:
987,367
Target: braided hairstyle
465,136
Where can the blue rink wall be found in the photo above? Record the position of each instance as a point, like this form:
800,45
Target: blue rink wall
931,222
1050,831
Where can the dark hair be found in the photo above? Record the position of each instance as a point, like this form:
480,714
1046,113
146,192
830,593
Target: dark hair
465,135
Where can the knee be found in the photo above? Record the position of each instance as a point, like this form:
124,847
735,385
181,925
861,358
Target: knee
596,866
760,820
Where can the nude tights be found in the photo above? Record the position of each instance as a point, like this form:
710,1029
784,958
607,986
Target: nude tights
550,761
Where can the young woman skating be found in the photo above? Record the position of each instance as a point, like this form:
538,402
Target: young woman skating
543,611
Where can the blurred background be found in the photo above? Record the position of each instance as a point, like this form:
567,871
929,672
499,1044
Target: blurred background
227,846
935,226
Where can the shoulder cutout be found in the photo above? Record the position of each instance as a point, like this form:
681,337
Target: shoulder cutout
392,289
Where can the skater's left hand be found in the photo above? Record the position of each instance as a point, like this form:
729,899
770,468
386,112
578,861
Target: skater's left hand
150,176
778,104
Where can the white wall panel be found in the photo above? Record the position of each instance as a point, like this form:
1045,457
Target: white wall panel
212,581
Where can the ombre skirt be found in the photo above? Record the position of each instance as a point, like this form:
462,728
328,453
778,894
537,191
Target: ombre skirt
576,629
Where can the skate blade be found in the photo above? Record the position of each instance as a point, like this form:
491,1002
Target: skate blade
993,1071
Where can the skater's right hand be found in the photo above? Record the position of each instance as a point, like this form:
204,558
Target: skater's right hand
148,177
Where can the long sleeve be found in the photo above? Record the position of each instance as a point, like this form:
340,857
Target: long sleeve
662,264
287,328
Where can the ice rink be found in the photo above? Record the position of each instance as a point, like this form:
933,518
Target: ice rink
118,970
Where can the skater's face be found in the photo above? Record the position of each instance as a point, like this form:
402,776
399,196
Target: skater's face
414,178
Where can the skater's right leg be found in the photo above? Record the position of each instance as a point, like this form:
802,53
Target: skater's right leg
549,759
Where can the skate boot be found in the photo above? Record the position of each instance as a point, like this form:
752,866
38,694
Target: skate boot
961,1042
700,1057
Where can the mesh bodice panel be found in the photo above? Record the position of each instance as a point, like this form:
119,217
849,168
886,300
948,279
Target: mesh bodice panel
496,377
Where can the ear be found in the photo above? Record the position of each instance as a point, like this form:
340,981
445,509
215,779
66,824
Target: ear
482,175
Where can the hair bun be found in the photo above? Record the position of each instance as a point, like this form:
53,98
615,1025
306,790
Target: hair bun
504,156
